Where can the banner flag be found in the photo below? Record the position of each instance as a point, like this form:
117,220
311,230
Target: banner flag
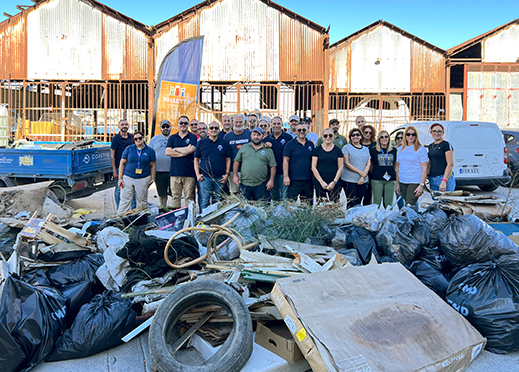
178,81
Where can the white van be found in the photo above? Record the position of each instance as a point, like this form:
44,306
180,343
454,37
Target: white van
479,151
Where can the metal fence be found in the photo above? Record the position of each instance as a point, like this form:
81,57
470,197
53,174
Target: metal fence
67,111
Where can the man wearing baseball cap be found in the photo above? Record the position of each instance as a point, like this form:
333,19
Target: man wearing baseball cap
338,139
258,168
159,144
293,121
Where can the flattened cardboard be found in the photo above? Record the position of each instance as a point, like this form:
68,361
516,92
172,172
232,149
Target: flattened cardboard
275,336
374,318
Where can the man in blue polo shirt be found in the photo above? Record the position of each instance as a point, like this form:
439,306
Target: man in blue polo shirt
212,164
236,139
278,139
297,166
180,148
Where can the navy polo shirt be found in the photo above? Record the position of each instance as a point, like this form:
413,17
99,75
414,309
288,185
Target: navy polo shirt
119,144
182,167
277,147
300,163
212,156
236,141
131,154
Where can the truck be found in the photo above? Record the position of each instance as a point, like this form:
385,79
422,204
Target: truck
78,169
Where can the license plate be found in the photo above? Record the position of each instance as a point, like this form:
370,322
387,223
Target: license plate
470,170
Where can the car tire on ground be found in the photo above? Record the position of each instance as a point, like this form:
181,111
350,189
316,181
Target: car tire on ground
232,355
488,187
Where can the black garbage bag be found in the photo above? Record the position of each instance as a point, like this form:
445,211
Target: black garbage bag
430,276
339,240
436,258
37,277
98,326
76,271
146,256
352,255
395,239
421,232
487,294
363,241
435,218
467,239
31,321
76,295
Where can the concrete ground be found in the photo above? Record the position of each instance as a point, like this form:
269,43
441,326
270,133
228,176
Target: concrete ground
135,357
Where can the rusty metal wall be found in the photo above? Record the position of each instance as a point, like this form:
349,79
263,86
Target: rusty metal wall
381,62
493,94
64,41
136,55
13,48
301,51
189,28
502,47
427,69
340,67
65,111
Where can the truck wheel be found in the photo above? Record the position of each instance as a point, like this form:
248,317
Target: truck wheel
488,187
59,193
164,331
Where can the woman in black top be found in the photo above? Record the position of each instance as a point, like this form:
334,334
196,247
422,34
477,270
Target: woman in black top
383,176
369,135
327,163
441,161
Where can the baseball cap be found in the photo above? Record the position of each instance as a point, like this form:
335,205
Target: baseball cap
259,130
294,117
165,123
307,120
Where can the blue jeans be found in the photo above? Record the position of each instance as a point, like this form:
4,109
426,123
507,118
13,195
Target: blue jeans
117,195
435,182
255,192
279,191
208,188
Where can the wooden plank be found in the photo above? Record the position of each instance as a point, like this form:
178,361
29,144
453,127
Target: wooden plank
182,340
51,226
214,215
319,253
48,238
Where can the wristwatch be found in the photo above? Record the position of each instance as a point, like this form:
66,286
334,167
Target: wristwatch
422,184
334,181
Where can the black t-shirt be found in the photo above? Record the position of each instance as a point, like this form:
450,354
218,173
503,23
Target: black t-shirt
437,158
119,144
383,161
327,162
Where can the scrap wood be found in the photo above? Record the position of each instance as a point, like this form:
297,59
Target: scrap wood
319,253
218,213
44,229
182,340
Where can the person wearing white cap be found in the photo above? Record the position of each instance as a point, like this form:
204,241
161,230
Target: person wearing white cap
159,144
293,121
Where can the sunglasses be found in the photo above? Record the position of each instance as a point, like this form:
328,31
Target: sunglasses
202,128
437,131
410,134
263,126
252,120
301,130
398,138
137,138
214,128
183,123
165,127
368,132
384,137
327,135
356,135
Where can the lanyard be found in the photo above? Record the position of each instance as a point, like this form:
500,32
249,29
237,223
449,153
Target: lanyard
386,155
139,152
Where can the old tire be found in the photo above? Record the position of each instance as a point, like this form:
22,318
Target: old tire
488,187
231,356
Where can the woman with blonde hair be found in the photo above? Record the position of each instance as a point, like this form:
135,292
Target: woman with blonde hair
411,167
383,175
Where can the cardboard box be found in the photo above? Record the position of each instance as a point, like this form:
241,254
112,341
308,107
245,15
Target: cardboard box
374,318
276,337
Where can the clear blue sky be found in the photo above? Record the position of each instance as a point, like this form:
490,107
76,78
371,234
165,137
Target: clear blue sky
441,22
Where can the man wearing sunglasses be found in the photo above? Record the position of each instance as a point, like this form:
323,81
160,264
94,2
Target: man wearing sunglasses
159,144
278,139
252,121
297,166
193,127
236,139
338,139
120,142
259,168
180,148
212,165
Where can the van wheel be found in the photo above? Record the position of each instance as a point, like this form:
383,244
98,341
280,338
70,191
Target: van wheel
488,187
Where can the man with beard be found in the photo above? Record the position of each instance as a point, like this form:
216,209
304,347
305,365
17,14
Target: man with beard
277,140
236,139
202,130
159,144
227,126
293,121
338,139
120,142
252,121
193,127
259,168
297,166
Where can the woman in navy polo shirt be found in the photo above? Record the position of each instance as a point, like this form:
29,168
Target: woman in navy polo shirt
136,173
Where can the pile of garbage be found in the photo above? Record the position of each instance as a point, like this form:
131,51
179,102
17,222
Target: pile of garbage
70,290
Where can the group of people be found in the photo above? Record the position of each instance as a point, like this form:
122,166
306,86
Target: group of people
262,161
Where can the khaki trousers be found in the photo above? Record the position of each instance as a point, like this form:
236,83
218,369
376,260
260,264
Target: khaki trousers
179,185
137,186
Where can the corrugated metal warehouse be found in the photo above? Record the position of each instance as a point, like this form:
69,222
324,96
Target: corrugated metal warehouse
387,75
484,77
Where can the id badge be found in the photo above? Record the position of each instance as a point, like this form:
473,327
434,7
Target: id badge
386,176
138,171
